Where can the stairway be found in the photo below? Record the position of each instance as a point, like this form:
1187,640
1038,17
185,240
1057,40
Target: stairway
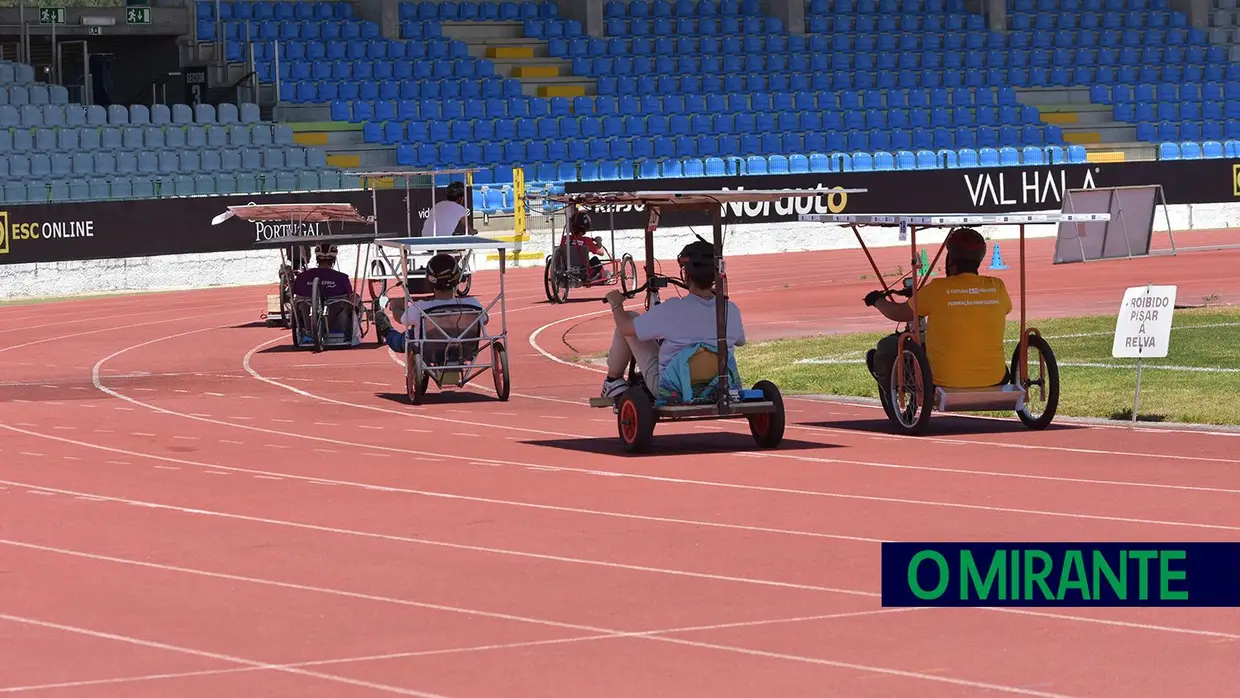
514,56
1087,124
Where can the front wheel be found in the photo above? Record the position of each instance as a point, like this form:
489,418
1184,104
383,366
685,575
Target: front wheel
628,273
635,420
768,428
1040,404
416,377
318,324
467,282
910,412
559,277
499,371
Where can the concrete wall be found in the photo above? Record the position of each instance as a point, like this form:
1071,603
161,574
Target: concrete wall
260,267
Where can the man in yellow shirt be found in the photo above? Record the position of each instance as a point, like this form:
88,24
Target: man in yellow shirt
966,315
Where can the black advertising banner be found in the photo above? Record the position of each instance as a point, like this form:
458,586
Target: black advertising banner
58,232
966,190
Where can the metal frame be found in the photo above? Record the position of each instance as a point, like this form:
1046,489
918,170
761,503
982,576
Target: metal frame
910,223
464,257
616,264
485,339
299,214
696,200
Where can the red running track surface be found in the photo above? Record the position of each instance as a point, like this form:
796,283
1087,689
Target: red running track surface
191,508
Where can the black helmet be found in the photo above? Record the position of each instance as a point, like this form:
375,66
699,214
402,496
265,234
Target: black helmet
442,272
455,191
325,252
697,256
581,222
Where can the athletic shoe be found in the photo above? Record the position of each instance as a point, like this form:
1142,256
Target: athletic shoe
382,324
614,387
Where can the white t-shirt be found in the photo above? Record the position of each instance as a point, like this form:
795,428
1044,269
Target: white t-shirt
443,219
683,322
413,319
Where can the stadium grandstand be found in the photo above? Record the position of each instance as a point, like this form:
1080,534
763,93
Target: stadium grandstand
302,91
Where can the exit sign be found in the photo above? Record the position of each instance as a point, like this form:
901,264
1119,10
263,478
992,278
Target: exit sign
138,15
51,15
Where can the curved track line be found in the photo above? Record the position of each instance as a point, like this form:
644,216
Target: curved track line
162,321
445,495
654,636
214,655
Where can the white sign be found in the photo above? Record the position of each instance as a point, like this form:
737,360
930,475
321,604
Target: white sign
1143,328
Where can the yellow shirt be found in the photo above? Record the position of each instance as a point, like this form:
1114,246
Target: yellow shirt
964,334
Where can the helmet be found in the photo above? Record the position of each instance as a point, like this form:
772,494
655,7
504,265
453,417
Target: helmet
455,191
580,222
442,272
325,252
697,257
966,244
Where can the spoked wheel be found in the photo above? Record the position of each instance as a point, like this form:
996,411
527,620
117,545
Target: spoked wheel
548,287
911,412
318,324
1042,386
768,428
416,377
363,319
499,371
628,273
467,282
286,296
635,420
376,287
559,278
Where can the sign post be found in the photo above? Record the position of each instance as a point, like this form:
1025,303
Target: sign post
1143,328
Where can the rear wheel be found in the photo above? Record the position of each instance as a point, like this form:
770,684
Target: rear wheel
318,327
910,412
635,420
499,371
768,428
628,273
559,277
416,377
376,287
1042,386
467,282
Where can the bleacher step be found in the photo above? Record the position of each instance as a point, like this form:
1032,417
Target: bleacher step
472,31
1108,132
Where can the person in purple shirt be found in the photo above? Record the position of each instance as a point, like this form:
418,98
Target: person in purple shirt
333,284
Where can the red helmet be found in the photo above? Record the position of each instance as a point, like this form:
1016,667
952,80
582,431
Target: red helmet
967,244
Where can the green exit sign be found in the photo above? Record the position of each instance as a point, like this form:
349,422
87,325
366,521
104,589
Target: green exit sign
138,15
51,15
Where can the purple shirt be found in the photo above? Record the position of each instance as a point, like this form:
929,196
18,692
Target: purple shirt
332,283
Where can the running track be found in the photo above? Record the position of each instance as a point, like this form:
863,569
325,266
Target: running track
191,509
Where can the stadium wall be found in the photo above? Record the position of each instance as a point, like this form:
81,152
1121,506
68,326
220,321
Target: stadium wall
100,247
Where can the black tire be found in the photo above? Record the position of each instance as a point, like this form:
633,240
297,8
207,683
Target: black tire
559,277
1049,383
548,286
377,287
467,282
318,326
499,371
914,416
768,428
363,319
635,420
416,378
627,263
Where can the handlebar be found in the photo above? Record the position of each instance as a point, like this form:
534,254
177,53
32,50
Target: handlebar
655,282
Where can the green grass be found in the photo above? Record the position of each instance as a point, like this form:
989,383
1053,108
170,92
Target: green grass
1167,394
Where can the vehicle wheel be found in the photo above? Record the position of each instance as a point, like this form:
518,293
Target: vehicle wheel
1045,399
559,278
548,287
377,287
499,371
416,378
318,327
911,413
635,420
363,319
628,273
768,429
467,282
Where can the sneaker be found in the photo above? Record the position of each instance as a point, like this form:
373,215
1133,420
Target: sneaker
382,323
614,387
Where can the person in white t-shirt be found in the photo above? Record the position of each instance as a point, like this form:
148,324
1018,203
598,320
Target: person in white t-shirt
443,274
657,336
446,215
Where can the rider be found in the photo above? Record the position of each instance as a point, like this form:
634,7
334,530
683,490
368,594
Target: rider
656,337
443,274
333,284
964,338
584,246
447,214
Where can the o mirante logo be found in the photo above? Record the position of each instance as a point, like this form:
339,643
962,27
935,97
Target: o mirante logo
4,232
1235,180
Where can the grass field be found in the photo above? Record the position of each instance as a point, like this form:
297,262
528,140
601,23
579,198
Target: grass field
1198,382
